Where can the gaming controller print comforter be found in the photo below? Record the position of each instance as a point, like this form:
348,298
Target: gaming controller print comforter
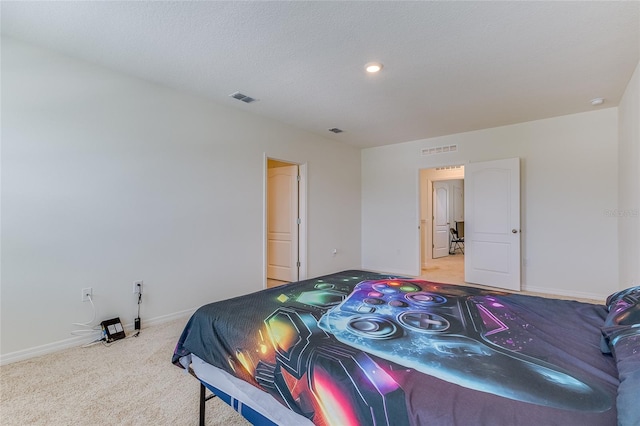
363,348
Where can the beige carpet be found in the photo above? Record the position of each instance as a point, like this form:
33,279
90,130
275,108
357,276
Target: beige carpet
131,382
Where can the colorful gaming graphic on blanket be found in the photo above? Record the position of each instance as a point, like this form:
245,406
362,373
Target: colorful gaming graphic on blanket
384,351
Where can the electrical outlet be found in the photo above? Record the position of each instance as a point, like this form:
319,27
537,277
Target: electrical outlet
86,294
137,287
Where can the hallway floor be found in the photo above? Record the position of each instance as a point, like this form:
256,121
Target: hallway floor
448,269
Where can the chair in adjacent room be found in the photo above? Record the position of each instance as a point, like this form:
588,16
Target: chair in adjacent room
456,242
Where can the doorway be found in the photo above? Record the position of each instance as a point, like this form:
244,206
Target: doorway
285,229
492,215
441,207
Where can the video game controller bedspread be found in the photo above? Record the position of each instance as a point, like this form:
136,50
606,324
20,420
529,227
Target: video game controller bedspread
363,348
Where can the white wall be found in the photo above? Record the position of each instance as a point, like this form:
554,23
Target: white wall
568,181
108,179
628,210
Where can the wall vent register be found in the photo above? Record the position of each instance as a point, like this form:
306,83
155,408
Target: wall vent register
439,150
242,97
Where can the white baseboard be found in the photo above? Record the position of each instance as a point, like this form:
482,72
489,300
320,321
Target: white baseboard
162,319
399,272
571,294
43,349
72,342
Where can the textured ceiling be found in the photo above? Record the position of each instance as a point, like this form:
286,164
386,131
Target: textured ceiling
449,67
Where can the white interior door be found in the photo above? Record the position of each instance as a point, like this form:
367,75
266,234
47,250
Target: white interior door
492,223
440,219
282,223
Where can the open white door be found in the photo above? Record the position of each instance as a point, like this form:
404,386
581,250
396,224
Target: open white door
282,223
440,220
492,223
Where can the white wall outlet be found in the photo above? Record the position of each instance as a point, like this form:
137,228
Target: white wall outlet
137,287
86,294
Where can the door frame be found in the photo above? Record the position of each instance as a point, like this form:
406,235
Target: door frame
428,225
302,213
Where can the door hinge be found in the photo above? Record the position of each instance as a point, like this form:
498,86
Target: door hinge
298,178
299,221
298,263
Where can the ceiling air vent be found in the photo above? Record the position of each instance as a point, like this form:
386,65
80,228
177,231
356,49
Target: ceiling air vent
336,130
241,97
439,149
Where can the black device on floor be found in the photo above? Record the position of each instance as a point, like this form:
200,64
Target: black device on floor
113,329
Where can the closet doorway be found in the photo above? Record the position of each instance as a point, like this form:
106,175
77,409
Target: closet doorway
285,227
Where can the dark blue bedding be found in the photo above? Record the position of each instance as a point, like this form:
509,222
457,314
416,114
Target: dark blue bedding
621,338
358,347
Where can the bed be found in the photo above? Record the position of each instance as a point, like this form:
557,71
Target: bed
358,347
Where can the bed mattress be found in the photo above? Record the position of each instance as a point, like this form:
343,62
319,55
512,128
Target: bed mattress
358,347
242,396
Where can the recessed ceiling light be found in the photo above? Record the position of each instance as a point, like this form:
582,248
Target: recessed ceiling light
373,67
597,101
